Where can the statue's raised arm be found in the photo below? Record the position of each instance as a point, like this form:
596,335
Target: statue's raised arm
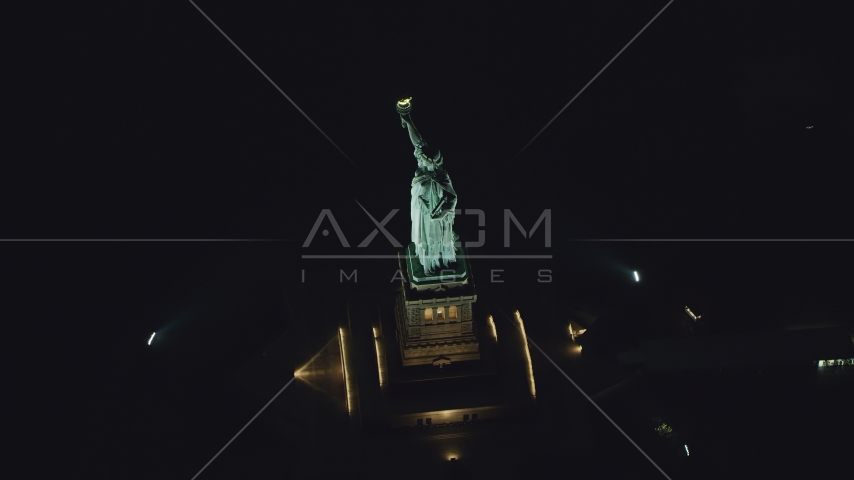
404,108
428,156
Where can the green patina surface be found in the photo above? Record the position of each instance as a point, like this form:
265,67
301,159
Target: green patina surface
455,272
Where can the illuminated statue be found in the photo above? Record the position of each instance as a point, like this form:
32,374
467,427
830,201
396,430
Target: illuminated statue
433,200
434,302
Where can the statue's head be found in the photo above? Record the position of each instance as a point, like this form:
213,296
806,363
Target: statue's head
430,156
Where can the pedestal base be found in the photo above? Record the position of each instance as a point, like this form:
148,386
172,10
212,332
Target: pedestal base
434,313
384,392
456,271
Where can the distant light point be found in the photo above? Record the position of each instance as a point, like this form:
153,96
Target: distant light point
152,338
687,453
637,278
809,127
695,317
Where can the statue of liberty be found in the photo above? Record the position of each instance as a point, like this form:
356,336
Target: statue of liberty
433,200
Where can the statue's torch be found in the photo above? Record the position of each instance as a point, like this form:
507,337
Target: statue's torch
404,106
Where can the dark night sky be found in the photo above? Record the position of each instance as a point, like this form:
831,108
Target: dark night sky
142,121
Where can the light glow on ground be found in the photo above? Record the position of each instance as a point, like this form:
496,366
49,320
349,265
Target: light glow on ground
527,355
380,367
347,385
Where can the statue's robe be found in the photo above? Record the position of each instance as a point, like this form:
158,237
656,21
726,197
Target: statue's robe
433,238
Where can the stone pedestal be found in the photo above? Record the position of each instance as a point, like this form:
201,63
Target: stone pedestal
433,312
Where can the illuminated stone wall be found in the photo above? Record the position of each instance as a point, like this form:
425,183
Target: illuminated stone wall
436,327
